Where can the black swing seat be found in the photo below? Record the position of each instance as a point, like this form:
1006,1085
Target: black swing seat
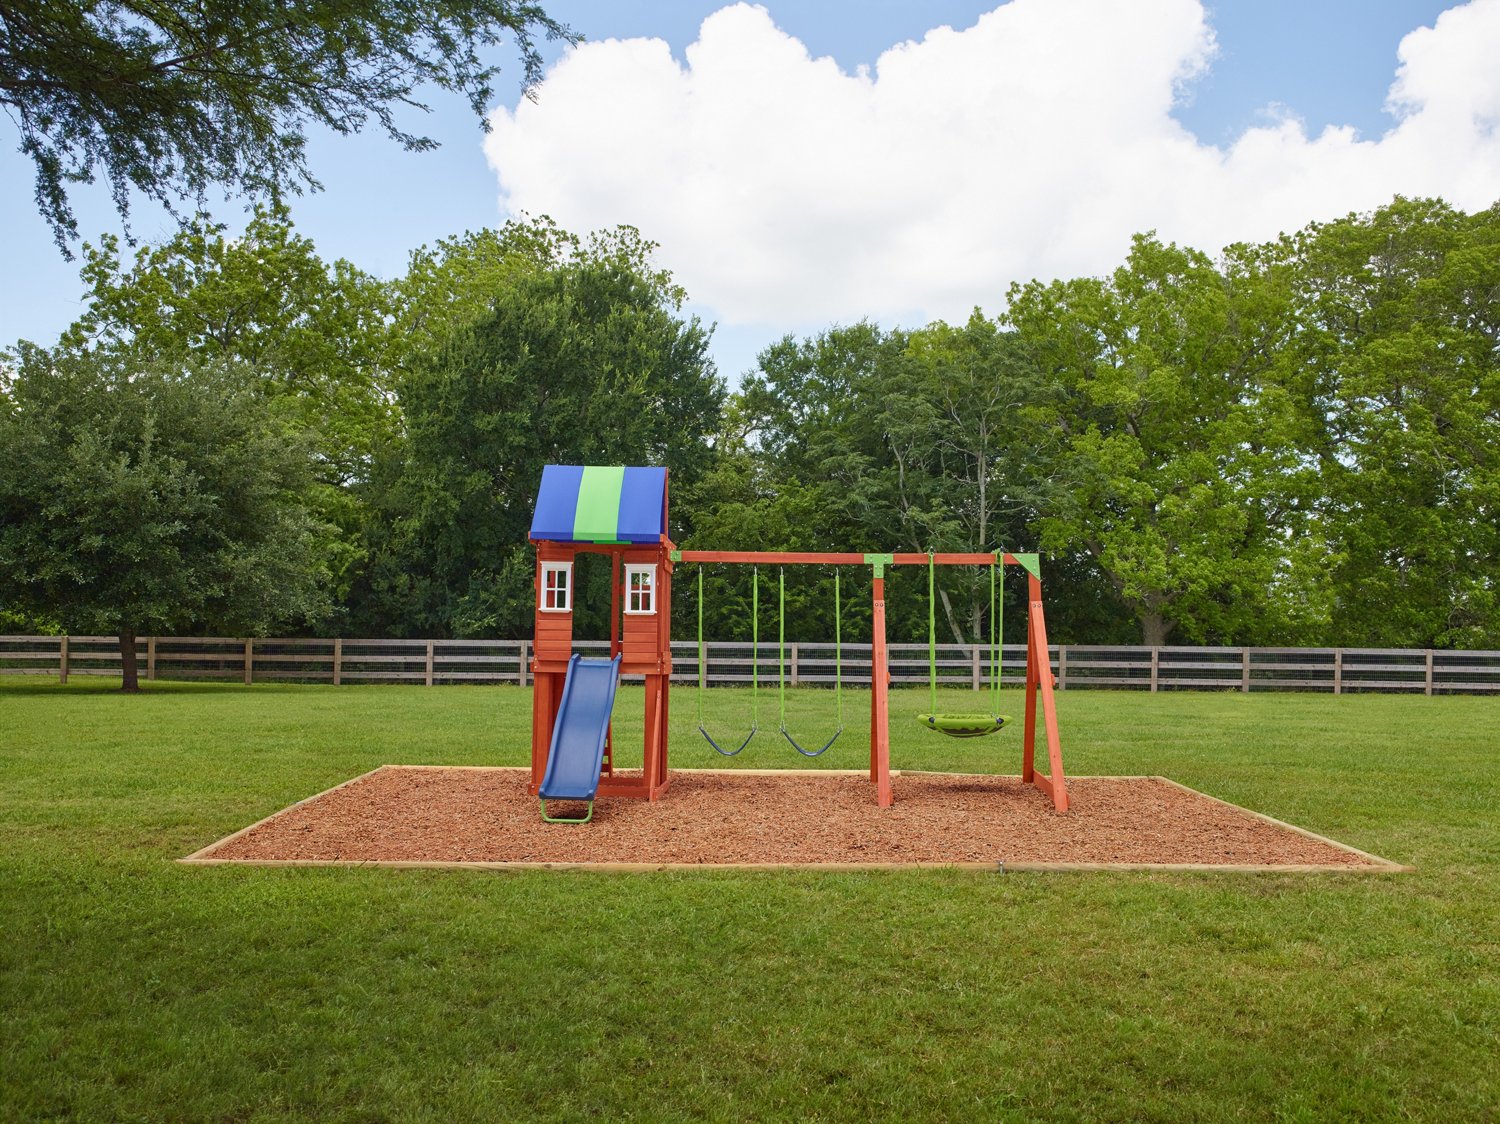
728,752
964,725
811,752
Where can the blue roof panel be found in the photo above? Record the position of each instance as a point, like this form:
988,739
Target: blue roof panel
557,502
643,505
641,515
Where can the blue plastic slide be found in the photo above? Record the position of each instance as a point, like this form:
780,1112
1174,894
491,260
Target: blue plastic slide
577,752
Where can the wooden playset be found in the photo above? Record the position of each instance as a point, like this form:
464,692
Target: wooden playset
622,513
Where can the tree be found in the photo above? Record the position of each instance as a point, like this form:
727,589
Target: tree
587,362
449,286
1184,467
316,334
1398,358
907,440
150,501
170,99
992,451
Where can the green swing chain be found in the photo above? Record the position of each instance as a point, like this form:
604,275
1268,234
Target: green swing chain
997,636
838,646
701,675
754,647
931,633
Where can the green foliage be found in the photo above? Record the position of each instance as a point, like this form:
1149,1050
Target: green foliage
145,501
1183,475
451,285
171,100
1294,443
1291,444
934,439
587,361
1398,351
314,333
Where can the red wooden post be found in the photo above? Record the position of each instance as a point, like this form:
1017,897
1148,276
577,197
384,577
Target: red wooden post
614,603
664,622
543,716
880,710
1055,783
1028,731
608,768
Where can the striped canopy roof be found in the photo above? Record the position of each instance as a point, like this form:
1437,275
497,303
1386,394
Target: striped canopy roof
601,504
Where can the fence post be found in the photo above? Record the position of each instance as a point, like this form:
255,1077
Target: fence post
429,664
338,660
1155,667
1428,689
62,662
974,673
794,665
1245,671
521,668
249,660
1062,667
1338,671
150,657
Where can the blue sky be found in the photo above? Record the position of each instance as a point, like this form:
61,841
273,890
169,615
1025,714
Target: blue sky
1315,64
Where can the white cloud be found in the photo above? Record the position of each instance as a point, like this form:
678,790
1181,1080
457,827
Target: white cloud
787,191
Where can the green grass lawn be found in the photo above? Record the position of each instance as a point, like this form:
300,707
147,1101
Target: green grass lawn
135,988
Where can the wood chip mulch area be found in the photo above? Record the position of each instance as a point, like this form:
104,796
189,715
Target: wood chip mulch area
421,814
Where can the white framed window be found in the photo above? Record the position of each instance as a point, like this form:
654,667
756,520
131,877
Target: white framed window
557,587
640,589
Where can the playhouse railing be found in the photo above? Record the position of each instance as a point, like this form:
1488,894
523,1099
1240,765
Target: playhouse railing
1076,666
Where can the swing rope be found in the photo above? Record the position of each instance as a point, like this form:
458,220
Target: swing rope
838,664
964,725
997,642
754,664
931,634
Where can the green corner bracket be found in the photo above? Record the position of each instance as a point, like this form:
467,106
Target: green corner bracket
675,556
880,562
1031,563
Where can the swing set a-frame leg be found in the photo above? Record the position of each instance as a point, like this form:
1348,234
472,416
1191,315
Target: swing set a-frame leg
1039,682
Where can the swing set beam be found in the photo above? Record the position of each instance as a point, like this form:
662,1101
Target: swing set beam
810,558
1038,660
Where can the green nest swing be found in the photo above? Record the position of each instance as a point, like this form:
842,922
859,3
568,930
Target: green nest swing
963,725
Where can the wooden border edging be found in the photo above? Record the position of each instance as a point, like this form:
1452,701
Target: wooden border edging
1369,858
1374,863
198,856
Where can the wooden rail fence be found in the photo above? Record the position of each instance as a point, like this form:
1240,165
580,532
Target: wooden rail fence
430,662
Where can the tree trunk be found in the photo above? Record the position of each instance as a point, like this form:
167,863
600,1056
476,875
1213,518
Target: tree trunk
956,628
1155,628
129,676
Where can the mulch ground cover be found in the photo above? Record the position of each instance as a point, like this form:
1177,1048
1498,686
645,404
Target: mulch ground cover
426,814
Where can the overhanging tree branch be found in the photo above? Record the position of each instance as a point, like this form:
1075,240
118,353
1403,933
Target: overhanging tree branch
170,101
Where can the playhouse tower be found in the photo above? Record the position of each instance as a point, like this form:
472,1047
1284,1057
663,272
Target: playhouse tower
620,513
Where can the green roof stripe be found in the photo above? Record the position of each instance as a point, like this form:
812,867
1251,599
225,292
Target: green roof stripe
598,514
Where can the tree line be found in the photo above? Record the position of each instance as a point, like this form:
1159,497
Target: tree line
1293,442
